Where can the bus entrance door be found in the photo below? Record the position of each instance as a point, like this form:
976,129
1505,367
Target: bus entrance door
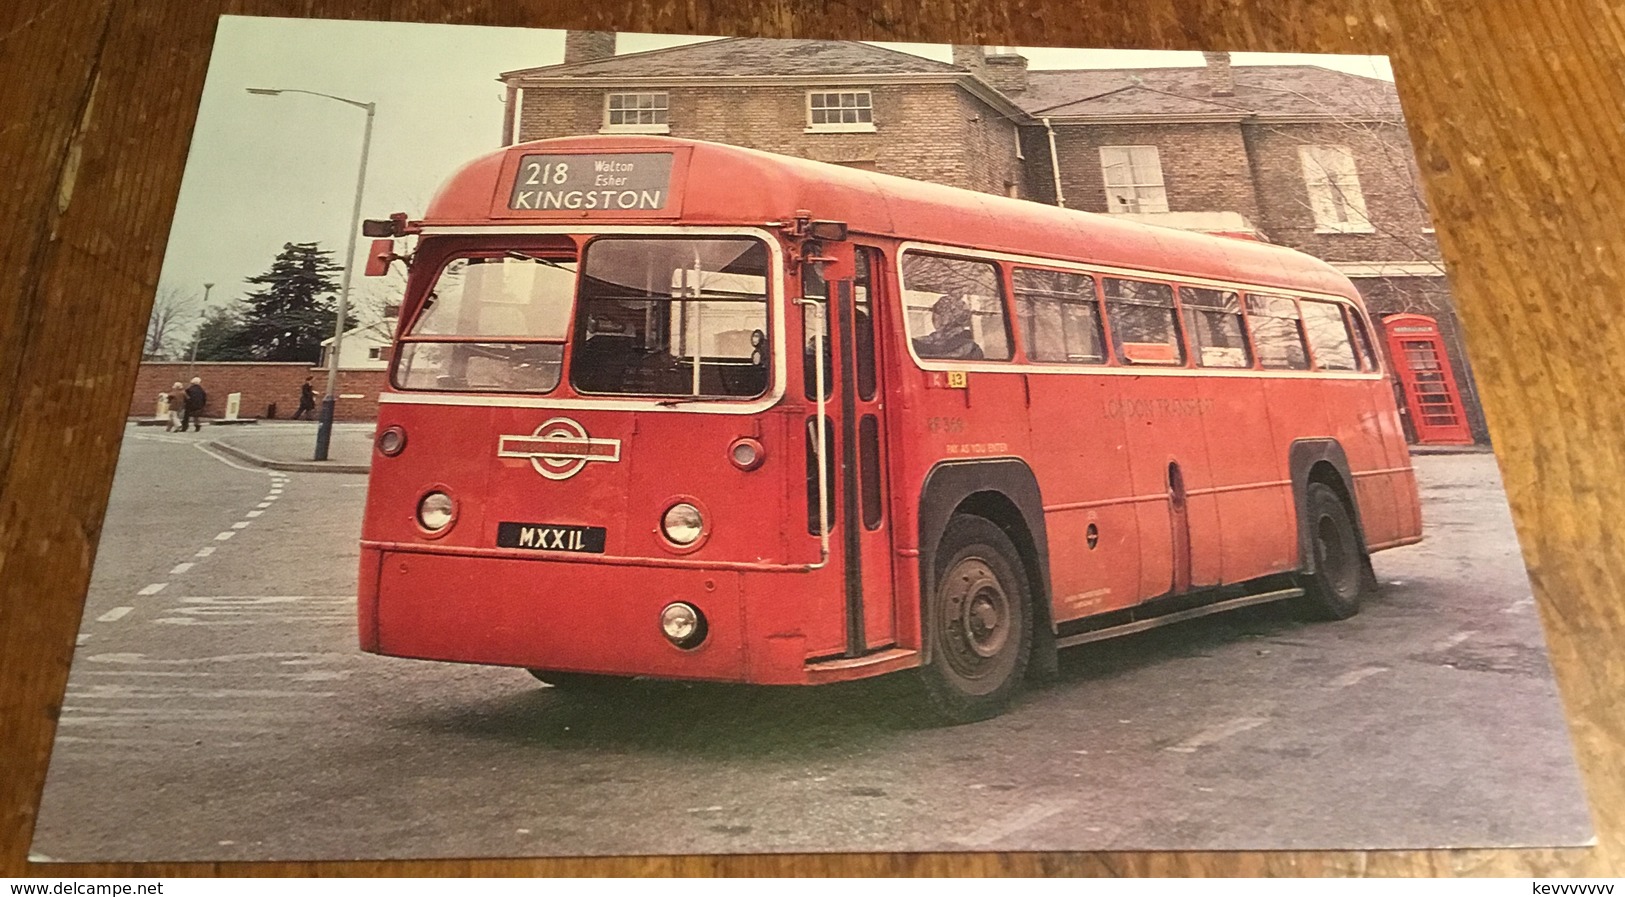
860,530
1432,400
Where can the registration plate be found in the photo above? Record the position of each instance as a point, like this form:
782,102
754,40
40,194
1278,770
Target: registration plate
551,537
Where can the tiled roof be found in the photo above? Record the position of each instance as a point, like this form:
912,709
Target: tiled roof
1267,89
749,56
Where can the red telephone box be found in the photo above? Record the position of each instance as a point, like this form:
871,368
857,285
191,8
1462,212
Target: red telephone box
1429,385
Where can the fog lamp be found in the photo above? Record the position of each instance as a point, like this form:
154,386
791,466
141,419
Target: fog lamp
746,454
682,624
391,441
682,523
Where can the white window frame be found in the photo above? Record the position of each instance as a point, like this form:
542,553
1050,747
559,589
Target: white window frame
1133,185
1335,198
664,110
865,102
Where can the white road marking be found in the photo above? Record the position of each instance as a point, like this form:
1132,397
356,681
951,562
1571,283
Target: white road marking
204,552
269,499
241,524
117,613
1218,733
83,637
153,589
1011,823
1353,676
178,569
275,490
1517,606
1454,640
225,535
262,505
255,513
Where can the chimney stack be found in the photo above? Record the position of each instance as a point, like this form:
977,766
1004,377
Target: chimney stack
970,56
1006,70
1220,81
588,46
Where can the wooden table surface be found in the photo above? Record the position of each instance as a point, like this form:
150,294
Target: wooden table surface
1515,107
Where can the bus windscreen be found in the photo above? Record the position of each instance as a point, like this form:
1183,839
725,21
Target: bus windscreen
672,317
491,323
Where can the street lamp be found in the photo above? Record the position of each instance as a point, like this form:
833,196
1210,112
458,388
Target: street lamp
191,369
324,426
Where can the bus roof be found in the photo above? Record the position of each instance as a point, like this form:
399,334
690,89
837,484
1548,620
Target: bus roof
719,184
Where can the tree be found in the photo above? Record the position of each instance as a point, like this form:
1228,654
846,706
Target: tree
172,310
220,337
287,319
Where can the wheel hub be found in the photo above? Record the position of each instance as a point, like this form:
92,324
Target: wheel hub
978,611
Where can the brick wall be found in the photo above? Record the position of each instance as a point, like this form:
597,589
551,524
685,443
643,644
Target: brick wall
923,131
261,383
1204,165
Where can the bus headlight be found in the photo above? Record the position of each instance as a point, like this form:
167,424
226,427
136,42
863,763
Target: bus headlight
435,511
682,624
682,523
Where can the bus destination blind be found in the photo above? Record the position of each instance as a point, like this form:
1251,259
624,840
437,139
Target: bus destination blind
606,182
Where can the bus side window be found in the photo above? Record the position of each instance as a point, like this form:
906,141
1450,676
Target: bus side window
1059,315
1277,338
815,323
1213,323
1328,336
954,308
863,324
1362,339
1141,318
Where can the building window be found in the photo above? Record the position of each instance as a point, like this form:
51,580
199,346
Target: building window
851,110
1334,190
375,353
1133,179
636,113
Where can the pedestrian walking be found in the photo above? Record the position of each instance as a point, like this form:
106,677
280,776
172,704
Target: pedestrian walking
307,400
177,399
196,399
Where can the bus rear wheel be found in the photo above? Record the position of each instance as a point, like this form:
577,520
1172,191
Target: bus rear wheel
978,621
1337,585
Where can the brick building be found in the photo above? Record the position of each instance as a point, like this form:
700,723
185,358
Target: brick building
1302,156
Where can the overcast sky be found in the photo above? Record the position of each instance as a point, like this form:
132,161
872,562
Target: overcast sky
264,171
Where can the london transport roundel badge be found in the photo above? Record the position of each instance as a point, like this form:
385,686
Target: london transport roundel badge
559,448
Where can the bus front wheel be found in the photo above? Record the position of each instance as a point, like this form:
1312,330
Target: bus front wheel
1333,591
979,622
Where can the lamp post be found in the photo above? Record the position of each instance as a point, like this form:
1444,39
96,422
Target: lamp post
324,426
191,369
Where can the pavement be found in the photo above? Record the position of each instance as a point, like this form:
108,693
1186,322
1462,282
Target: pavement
218,708
290,446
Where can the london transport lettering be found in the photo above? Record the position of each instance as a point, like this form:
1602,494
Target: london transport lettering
620,182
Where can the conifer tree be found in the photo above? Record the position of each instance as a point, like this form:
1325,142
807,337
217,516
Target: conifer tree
292,312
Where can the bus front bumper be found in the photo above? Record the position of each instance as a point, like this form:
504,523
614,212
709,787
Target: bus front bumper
579,617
